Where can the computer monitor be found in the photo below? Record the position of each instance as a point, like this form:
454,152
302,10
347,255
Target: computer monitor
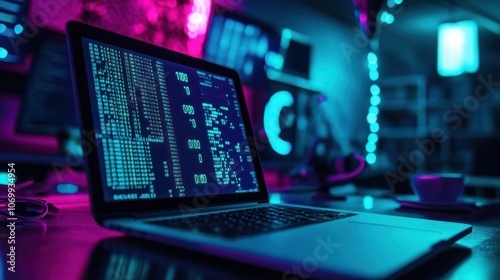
254,49
12,23
296,51
244,44
48,105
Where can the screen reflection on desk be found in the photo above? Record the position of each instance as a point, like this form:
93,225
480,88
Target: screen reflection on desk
127,258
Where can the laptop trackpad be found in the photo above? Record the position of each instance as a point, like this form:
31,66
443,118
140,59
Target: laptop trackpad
363,248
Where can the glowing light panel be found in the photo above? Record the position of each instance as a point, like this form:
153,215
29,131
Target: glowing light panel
373,75
275,198
375,100
371,118
272,111
198,18
4,178
372,137
371,147
458,50
375,90
67,188
3,53
373,110
368,202
373,66
372,58
371,158
18,29
387,17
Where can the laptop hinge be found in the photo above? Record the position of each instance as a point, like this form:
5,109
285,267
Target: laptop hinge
194,210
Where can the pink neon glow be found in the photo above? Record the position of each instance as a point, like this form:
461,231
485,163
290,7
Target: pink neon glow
139,28
198,18
152,15
196,25
53,14
276,181
363,18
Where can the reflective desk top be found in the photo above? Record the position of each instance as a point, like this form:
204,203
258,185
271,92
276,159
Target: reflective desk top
72,246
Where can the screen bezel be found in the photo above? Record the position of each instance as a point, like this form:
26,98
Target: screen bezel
76,31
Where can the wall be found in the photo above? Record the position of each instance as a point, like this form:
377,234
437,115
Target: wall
409,47
339,75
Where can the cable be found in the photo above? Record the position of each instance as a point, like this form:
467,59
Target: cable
25,209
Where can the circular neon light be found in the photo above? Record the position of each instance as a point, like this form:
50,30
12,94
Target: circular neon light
272,111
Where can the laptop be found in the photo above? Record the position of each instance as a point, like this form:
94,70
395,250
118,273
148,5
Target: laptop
170,157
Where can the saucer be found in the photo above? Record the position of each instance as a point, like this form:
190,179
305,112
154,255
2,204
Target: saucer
412,201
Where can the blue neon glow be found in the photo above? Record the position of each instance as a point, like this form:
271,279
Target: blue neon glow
375,100
371,158
3,28
372,58
398,2
373,75
272,111
368,202
387,17
458,48
286,36
375,90
18,29
275,198
371,118
3,53
4,178
67,188
391,3
373,110
248,68
274,60
383,16
372,137
390,19
262,46
371,147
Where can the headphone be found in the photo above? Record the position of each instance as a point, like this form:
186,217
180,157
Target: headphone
327,172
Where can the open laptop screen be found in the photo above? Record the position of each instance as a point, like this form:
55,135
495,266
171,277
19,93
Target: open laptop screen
164,130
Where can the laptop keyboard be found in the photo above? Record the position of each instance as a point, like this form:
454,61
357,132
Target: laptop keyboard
252,221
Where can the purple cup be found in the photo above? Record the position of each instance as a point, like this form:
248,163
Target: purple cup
440,188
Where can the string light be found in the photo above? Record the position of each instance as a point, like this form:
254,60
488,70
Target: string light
373,111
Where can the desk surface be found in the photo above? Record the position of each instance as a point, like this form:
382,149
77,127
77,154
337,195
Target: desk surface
73,246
